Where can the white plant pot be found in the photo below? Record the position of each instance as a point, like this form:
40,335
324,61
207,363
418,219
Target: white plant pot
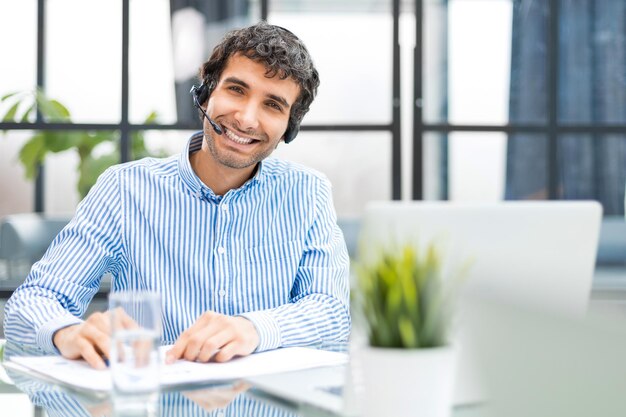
407,382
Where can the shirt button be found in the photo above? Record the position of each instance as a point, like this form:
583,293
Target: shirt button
224,207
221,250
199,194
222,293
220,414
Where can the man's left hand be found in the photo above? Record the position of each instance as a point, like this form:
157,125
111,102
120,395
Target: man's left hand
215,336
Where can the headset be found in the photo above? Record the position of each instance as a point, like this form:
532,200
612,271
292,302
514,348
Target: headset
200,94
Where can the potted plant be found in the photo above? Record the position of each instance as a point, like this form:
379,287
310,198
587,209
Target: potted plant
408,365
94,156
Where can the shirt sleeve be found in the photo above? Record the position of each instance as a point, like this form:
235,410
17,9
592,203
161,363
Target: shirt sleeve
60,286
319,307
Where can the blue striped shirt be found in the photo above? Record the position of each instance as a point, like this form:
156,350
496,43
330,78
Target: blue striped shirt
270,251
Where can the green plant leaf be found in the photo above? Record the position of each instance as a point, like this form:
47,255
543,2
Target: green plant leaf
60,109
32,154
4,97
407,333
9,116
151,118
91,168
59,141
403,299
27,114
51,110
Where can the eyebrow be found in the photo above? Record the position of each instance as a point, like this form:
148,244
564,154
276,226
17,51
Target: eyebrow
235,80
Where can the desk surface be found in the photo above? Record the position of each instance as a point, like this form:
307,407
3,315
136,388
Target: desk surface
233,400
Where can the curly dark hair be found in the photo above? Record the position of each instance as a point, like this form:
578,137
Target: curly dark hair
282,53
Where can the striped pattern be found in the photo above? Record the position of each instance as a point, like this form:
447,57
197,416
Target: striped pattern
270,251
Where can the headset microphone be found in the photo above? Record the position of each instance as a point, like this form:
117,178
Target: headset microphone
197,91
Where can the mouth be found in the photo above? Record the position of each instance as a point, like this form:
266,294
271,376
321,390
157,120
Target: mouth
241,140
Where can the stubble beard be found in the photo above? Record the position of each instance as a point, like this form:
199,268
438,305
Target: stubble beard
231,159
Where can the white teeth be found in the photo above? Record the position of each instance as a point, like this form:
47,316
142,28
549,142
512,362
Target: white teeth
238,139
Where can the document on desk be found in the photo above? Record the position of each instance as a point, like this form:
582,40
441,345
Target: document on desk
78,374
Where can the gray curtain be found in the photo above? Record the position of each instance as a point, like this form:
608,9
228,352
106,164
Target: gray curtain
197,26
591,90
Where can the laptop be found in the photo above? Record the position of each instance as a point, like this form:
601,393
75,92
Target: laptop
537,254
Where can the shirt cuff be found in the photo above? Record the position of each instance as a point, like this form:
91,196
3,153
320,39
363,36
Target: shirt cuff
267,328
46,332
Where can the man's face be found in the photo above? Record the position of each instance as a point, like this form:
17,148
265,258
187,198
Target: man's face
251,109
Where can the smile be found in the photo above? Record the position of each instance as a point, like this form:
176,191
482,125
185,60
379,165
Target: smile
238,139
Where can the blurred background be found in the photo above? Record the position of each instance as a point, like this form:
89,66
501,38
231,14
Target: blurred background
462,100
477,100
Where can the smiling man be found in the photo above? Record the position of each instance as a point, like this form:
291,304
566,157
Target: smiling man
244,249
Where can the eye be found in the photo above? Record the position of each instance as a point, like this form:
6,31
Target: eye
275,106
236,89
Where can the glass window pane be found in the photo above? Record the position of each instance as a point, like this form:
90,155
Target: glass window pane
84,58
151,84
435,166
526,167
357,164
176,38
528,102
477,166
485,61
593,167
592,66
18,49
166,142
354,62
17,192
434,61
69,177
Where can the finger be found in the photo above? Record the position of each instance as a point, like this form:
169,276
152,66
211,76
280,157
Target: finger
127,322
122,319
203,343
194,345
100,320
228,351
98,339
142,350
241,386
213,344
181,347
90,355
177,350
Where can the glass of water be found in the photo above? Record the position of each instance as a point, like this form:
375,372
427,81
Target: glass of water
134,361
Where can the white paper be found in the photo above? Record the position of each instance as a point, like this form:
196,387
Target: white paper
78,373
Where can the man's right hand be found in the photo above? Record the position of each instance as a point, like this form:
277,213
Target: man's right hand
90,340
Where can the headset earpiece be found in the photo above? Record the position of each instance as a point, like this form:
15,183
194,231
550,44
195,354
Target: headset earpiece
200,94
290,133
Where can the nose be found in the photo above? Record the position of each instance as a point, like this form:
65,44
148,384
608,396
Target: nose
248,116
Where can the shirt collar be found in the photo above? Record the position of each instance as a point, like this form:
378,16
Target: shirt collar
191,180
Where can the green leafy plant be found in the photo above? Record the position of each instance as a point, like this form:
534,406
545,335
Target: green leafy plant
403,298
22,106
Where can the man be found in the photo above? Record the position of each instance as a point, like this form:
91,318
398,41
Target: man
244,250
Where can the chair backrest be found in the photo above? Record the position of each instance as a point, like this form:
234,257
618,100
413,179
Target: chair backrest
350,226
612,245
27,236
